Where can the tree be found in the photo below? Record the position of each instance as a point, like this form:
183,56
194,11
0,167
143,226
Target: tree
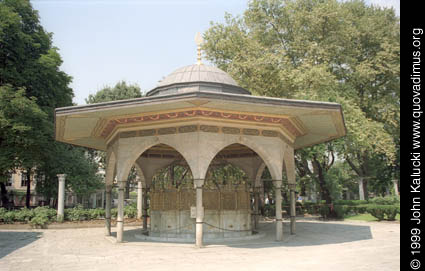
82,171
120,91
345,52
31,87
22,134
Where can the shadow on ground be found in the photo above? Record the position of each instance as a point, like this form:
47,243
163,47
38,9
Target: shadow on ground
308,233
13,240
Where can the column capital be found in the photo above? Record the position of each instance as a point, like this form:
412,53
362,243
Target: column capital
61,177
198,183
277,183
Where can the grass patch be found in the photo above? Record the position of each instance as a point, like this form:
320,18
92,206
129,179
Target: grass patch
366,217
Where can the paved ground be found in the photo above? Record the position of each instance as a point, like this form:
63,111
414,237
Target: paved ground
317,246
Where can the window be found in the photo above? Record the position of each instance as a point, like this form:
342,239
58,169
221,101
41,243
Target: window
24,179
9,180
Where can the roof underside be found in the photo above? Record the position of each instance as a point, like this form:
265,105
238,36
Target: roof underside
304,123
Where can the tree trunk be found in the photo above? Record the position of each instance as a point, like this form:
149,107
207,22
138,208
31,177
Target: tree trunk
4,197
28,197
324,191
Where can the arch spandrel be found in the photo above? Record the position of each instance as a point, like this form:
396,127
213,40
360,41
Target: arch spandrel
130,149
150,166
110,167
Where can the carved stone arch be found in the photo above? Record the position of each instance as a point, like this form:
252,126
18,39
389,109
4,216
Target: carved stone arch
271,155
135,147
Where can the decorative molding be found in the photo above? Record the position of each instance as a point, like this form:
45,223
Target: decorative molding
213,114
269,133
188,128
167,131
253,132
230,130
209,128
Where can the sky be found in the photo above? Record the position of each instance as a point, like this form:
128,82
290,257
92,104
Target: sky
102,42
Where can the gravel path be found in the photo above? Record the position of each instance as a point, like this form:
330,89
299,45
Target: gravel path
317,246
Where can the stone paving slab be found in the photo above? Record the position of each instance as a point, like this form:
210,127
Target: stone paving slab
317,246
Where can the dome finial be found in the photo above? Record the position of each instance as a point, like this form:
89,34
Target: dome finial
199,40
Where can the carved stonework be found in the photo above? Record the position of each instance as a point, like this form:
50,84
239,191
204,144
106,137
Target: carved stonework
167,200
270,133
149,132
170,199
211,200
281,121
253,132
167,131
209,128
129,134
243,200
228,201
230,130
188,129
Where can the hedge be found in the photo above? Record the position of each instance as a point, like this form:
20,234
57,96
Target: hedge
42,216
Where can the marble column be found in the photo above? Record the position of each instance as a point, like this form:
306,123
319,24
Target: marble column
61,197
279,223
120,214
108,201
199,212
293,210
139,197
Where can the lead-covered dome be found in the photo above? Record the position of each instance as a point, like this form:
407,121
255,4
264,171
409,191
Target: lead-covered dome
197,77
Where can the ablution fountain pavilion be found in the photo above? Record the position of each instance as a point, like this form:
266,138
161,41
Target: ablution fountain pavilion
198,117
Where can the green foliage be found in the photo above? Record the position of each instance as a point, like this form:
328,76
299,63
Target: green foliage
350,202
39,221
7,217
76,214
45,211
120,91
97,213
335,51
341,210
269,210
393,200
114,212
382,211
31,87
130,211
24,215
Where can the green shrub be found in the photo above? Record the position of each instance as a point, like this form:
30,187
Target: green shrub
324,211
350,202
39,221
391,211
360,209
341,210
269,210
8,217
24,215
96,213
130,211
385,200
114,212
311,208
76,214
45,211
377,211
